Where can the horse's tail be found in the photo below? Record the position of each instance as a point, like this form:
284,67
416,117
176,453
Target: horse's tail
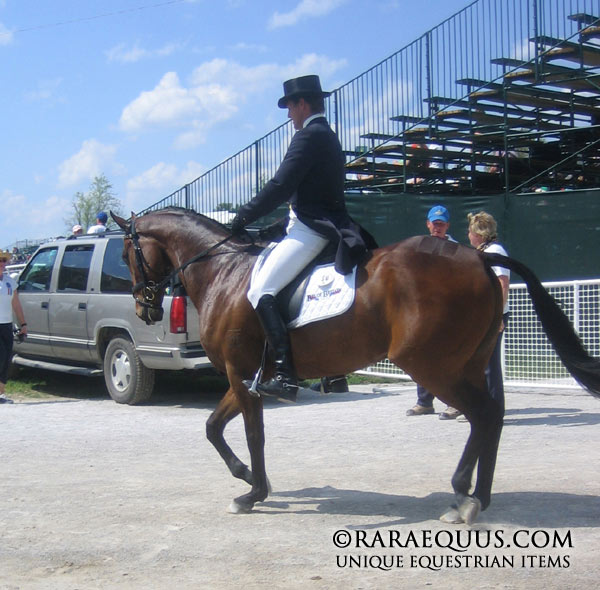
583,367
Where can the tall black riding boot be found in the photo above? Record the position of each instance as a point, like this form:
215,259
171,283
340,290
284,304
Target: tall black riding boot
284,385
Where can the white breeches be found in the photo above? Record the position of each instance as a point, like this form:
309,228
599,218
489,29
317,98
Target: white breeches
289,257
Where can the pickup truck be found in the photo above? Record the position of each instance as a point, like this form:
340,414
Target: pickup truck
77,299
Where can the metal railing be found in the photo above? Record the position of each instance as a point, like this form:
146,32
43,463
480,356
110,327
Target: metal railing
404,90
527,356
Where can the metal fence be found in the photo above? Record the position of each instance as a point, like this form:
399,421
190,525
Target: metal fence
428,75
527,356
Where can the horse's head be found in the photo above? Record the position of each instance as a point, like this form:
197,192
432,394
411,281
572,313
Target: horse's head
148,265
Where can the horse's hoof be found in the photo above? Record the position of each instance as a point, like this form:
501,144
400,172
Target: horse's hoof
451,517
237,508
469,509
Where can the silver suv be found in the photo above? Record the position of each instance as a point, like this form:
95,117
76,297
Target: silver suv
80,313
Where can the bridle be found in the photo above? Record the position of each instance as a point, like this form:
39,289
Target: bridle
148,288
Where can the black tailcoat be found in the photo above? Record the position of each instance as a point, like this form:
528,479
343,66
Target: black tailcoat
311,179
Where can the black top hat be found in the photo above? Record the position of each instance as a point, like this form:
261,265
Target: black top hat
303,86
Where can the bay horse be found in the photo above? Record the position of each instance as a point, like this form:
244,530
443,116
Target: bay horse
432,307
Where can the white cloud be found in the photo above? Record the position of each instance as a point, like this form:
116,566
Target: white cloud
171,104
91,160
46,91
51,213
14,206
6,36
120,53
253,47
215,91
305,9
159,181
25,219
195,135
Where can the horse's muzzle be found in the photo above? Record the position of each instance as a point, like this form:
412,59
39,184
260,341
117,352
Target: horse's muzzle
150,315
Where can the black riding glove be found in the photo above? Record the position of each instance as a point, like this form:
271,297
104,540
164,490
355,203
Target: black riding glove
274,232
237,225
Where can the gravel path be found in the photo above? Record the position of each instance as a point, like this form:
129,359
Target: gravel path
100,496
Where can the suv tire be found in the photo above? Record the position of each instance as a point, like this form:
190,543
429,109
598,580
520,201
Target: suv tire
127,379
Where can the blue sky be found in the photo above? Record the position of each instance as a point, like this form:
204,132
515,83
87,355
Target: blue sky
152,93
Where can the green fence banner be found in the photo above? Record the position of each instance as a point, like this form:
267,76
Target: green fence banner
556,234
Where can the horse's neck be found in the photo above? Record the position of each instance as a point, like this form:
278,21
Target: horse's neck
180,248
215,275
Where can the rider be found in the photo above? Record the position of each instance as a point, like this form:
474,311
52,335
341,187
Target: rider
311,179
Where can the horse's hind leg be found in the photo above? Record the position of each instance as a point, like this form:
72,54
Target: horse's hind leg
227,409
485,417
492,418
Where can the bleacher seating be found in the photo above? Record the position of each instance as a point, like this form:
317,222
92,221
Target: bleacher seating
537,124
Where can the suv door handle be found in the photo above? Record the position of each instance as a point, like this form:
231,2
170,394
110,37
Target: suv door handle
82,306
44,305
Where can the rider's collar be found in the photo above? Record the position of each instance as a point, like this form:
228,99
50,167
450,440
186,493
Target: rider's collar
312,118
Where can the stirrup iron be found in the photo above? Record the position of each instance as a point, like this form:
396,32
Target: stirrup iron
252,386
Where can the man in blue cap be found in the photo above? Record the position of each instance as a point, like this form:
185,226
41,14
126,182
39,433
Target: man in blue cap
438,222
100,226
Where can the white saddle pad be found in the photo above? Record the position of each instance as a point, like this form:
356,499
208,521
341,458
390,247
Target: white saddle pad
327,294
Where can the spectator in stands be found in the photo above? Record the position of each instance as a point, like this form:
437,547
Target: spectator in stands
100,226
9,304
417,162
483,235
438,223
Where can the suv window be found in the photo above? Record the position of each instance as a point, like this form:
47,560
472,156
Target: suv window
39,272
75,268
116,277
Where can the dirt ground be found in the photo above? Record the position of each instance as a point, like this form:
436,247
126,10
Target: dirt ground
95,495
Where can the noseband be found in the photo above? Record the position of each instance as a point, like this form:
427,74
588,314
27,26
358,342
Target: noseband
148,288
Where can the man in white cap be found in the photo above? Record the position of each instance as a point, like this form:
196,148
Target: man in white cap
311,178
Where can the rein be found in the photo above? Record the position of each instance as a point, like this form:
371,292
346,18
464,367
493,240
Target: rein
150,288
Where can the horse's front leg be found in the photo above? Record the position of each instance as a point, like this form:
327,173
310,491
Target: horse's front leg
227,409
252,412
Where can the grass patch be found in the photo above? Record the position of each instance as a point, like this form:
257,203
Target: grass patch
38,384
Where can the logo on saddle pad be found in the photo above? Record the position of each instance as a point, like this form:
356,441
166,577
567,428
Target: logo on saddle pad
324,279
317,294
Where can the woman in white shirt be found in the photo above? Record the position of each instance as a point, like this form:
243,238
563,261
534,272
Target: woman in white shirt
483,235
9,302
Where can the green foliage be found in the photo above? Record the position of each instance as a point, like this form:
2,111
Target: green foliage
85,206
227,206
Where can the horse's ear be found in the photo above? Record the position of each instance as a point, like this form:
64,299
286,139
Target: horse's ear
122,223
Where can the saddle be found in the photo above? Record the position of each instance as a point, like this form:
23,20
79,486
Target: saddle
318,292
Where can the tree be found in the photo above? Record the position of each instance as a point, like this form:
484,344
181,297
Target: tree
86,206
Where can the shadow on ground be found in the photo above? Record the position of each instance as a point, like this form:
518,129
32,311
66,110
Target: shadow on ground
527,509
